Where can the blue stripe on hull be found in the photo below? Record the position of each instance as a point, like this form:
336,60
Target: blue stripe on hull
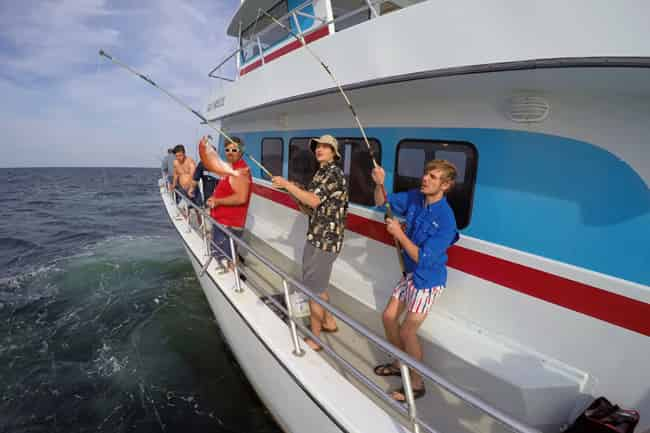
555,197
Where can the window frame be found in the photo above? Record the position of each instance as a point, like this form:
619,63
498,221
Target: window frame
251,38
289,159
379,147
469,177
263,174
341,141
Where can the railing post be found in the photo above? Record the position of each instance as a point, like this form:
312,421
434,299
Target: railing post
295,20
373,11
297,350
205,267
408,394
239,44
206,233
177,215
235,265
189,217
259,47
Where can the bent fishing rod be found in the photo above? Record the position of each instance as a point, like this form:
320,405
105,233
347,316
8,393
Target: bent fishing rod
301,39
203,148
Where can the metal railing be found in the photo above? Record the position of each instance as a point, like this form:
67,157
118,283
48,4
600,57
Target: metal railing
405,360
254,39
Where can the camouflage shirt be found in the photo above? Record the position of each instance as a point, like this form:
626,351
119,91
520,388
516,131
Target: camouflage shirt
327,221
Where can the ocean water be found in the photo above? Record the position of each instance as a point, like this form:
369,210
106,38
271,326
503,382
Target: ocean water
103,325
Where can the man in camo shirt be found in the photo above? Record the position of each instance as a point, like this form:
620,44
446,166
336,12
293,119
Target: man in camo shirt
326,200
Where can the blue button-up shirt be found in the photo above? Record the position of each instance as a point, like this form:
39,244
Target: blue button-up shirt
433,229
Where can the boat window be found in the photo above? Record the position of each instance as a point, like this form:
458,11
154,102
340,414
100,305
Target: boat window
302,162
394,5
357,166
413,154
272,152
249,50
304,22
342,7
269,32
355,162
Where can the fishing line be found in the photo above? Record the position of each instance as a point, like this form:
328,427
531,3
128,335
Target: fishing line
301,39
176,99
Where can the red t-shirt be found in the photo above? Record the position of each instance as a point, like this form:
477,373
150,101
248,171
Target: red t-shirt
231,216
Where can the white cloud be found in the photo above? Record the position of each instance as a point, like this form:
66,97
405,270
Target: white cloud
64,105
54,38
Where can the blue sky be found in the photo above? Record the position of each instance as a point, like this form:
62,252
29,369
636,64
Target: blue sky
61,104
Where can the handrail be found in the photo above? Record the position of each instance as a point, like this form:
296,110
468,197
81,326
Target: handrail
369,5
474,401
224,61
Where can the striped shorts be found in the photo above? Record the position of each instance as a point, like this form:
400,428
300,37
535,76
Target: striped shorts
417,301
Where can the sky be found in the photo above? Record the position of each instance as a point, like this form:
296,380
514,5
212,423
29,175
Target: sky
61,104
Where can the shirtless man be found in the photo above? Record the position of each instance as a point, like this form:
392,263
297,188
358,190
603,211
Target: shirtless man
184,167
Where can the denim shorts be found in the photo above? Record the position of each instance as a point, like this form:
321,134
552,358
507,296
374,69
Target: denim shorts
220,240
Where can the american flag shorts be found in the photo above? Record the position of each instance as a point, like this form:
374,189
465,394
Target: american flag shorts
417,301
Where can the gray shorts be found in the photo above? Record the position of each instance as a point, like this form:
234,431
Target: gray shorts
316,268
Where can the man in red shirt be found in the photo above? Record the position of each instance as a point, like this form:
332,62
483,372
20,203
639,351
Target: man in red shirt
230,201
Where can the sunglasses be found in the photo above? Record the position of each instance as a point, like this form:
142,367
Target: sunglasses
231,150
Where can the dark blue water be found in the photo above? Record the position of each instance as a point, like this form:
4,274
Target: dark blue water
103,325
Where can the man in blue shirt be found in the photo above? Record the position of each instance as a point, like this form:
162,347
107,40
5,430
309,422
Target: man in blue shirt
430,230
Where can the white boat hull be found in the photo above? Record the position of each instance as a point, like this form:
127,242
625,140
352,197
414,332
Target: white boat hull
303,393
292,406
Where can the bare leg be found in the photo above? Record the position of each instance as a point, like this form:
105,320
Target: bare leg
392,313
317,316
412,346
408,336
328,321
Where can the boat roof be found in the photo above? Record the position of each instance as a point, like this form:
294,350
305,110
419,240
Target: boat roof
247,14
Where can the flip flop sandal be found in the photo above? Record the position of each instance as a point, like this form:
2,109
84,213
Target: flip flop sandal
387,369
330,330
417,393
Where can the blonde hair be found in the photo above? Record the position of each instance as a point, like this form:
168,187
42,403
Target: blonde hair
447,168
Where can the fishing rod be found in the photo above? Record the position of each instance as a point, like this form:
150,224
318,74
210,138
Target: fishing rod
206,153
301,39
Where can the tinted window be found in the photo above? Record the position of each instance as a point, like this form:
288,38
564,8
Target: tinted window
357,166
344,7
413,154
272,156
355,162
302,162
266,29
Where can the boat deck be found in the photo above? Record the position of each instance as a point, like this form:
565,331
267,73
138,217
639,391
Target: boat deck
441,410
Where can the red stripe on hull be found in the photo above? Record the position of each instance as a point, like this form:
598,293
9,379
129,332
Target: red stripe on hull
311,37
603,305
247,69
